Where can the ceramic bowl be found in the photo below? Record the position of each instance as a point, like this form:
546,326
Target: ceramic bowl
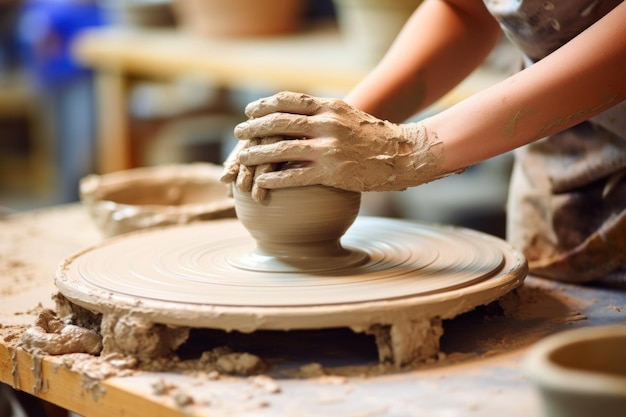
299,226
241,18
581,372
142,198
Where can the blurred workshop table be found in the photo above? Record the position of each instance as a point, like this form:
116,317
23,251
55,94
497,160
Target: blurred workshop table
314,60
480,372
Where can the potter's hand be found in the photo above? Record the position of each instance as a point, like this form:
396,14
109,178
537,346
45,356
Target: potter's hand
236,173
342,147
244,177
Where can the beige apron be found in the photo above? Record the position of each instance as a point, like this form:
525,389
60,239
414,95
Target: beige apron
567,197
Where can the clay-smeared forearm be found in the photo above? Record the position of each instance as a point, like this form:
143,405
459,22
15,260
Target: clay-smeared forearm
543,99
440,45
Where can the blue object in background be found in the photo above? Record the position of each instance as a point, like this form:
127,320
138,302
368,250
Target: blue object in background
47,30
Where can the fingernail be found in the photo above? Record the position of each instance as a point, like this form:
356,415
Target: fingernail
240,129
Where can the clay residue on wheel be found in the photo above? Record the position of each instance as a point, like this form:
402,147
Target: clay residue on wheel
49,335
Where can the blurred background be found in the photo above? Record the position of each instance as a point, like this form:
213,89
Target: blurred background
99,86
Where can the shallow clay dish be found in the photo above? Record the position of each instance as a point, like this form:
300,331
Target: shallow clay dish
581,372
142,198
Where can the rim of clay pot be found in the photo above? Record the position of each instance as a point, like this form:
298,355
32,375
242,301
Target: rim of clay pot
579,361
94,188
140,198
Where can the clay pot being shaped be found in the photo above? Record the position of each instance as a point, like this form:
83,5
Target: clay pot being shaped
298,229
581,372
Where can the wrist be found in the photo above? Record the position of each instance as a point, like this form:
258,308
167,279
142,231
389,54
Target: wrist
428,156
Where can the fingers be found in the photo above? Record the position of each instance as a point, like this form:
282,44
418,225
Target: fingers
229,174
281,151
291,126
276,119
294,177
231,164
245,176
242,170
276,124
259,193
284,102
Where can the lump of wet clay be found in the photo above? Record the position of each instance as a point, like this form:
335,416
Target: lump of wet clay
50,335
133,336
235,363
239,363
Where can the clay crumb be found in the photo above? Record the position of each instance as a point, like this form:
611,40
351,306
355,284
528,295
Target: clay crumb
238,363
333,379
312,370
439,357
11,334
265,383
212,376
575,316
183,399
98,368
161,387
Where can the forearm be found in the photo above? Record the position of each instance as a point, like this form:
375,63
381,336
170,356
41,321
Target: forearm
581,79
439,46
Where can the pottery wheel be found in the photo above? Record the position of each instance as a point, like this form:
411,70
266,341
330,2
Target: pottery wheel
401,279
187,275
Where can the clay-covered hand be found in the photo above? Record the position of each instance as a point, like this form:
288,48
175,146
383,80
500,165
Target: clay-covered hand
339,146
232,167
244,177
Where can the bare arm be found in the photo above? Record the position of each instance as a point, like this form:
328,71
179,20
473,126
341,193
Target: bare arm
579,80
439,46
349,148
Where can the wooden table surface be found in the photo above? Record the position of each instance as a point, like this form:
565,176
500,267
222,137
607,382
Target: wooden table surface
309,60
481,373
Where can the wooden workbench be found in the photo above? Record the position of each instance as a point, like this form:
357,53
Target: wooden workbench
480,373
314,61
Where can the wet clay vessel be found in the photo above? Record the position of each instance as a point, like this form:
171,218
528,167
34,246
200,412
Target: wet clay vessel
298,229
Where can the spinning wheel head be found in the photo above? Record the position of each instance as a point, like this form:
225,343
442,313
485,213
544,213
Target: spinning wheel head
401,274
